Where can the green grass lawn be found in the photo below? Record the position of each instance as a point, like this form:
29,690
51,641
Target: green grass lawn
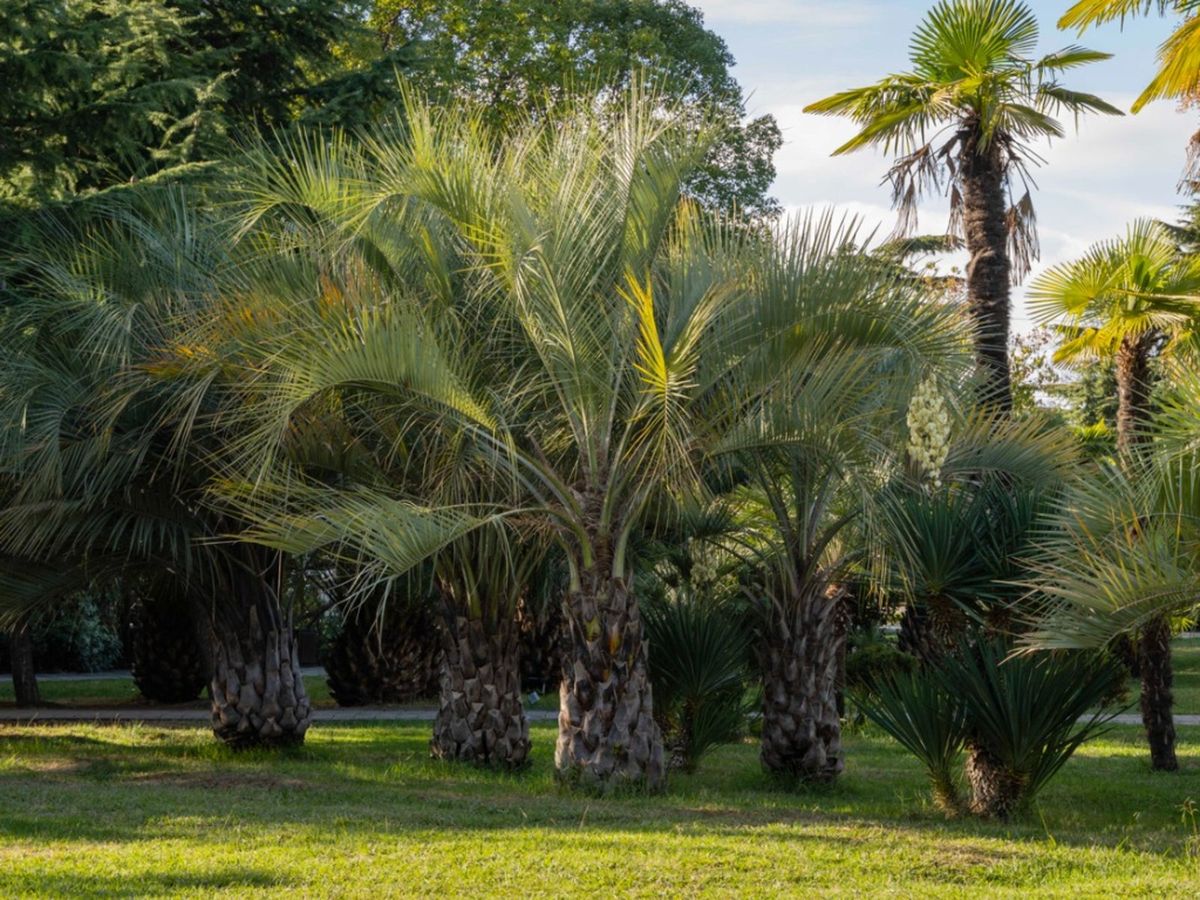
87,810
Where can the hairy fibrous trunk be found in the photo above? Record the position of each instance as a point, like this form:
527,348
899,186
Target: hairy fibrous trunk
1154,654
801,729
1134,384
480,717
607,735
985,230
995,791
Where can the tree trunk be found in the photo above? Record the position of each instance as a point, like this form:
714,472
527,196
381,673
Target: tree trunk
985,230
258,695
480,718
1155,662
801,729
24,675
607,736
167,661
388,660
996,793
541,646
1134,384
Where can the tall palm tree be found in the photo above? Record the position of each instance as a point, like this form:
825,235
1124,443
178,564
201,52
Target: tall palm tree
545,332
1127,299
963,118
104,454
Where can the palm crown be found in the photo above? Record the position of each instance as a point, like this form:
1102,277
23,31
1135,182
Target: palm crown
974,87
1119,289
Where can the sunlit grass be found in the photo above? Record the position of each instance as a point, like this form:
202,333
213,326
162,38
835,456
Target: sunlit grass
362,809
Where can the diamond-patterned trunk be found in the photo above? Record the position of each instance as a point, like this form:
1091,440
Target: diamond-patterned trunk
802,732
480,717
258,696
607,736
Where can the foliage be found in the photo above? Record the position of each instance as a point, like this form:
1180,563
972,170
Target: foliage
1118,291
80,636
100,92
873,659
1028,713
698,666
1178,75
974,87
512,57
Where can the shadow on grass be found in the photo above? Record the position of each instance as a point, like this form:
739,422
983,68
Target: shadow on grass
150,782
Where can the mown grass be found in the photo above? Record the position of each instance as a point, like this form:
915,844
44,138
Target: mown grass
359,810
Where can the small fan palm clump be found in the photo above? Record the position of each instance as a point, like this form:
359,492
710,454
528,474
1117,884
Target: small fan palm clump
1021,718
699,667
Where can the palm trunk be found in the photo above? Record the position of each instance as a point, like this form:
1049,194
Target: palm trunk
541,646
24,675
258,695
607,736
984,219
801,731
480,717
167,660
1134,384
996,793
393,660
1155,661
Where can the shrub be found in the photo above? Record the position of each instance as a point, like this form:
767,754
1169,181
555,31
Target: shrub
698,656
1020,718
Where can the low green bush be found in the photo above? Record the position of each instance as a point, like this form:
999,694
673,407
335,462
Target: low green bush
1018,717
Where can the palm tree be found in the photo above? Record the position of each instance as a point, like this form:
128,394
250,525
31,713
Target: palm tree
542,331
963,118
1130,299
1123,561
104,453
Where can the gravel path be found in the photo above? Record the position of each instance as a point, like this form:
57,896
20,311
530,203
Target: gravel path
137,714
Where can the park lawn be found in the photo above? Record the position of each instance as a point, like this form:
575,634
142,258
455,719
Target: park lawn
361,810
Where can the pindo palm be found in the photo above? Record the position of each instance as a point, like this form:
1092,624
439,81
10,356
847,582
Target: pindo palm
963,119
541,330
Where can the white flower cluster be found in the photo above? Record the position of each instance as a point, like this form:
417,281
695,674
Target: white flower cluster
705,571
929,430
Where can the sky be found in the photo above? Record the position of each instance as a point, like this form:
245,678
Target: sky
1092,184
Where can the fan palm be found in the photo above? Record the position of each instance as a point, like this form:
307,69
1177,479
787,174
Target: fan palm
103,454
1123,560
1126,299
540,330
964,117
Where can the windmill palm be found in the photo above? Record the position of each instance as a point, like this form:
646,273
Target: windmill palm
963,118
543,332
1127,300
103,453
